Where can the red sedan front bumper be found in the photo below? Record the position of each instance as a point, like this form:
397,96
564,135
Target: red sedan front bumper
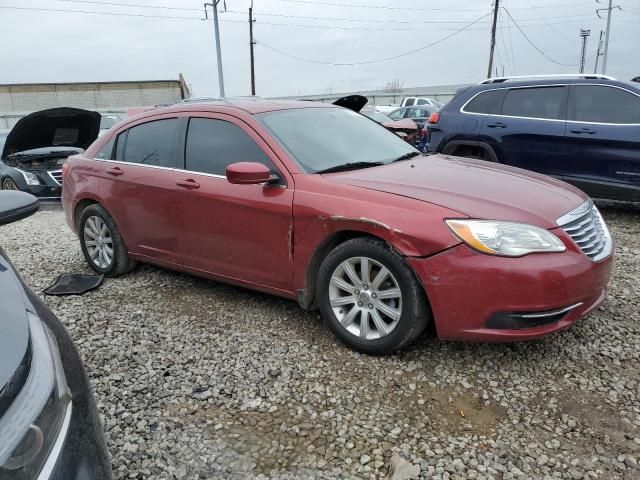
469,290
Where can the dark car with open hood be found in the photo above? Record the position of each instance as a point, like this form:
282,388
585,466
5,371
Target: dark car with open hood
39,144
49,426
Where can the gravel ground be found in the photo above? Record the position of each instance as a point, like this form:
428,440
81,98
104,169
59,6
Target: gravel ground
196,379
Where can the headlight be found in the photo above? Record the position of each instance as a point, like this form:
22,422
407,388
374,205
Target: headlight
32,424
29,177
509,239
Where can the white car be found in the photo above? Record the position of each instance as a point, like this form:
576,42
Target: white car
411,101
386,109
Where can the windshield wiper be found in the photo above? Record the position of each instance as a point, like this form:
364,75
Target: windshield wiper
350,166
406,156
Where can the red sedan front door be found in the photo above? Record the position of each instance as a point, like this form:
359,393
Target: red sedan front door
240,232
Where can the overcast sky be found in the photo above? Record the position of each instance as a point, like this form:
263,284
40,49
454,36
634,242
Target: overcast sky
63,46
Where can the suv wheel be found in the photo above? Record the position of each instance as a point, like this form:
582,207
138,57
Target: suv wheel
370,298
102,244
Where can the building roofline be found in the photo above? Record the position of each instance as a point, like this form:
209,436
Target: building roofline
114,82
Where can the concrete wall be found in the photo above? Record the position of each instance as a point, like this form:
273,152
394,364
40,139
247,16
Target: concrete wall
19,100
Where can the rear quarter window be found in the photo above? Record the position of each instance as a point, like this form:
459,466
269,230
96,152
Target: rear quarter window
106,152
488,102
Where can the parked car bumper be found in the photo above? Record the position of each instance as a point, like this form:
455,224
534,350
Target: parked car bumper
477,297
80,451
48,188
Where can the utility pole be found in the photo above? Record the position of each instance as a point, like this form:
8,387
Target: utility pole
585,35
599,54
214,5
251,44
493,36
606,39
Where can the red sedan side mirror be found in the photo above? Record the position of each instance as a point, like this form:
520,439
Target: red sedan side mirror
248,173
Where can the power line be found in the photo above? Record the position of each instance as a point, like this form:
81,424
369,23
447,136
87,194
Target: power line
305,17
548,24
377,60
513,57
167,17
136,5
535,46
385,7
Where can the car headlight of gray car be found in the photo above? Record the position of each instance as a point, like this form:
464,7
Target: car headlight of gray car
33,428
29,177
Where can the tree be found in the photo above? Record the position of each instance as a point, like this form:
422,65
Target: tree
393,86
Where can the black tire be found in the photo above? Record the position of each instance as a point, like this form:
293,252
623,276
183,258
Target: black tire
415,313
120,262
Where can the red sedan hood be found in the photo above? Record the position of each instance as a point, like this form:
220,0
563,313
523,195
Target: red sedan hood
474,188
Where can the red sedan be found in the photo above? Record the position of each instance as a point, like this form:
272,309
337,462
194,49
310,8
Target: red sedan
317,203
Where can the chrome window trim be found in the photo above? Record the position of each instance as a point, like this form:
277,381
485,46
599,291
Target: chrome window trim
224,177
120,162
52,459
191,172
462,110
51,172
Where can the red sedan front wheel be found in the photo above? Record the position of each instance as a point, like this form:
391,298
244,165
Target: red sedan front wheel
370,298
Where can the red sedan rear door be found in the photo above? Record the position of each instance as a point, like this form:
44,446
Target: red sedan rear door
138,186
240,232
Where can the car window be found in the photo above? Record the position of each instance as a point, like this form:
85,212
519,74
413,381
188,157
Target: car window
408,102
486,102
396,114
418,113
422,101
321,138
152,143
106,152
594,103
214,144
540,102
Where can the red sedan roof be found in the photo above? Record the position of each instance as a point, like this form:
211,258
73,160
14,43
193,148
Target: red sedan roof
251,105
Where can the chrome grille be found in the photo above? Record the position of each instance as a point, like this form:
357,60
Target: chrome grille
586,227
56,175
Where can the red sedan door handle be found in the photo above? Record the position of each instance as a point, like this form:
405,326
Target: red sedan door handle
188,183
115,171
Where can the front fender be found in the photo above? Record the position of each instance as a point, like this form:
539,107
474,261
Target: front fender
413,228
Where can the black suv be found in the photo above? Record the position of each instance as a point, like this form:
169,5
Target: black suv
584,129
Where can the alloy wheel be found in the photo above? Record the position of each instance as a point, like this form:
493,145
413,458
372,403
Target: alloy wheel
98,241
8,184
365,297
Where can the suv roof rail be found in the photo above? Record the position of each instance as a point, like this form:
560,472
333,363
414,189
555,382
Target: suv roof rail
562,75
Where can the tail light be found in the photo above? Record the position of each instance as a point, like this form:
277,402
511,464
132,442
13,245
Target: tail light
434,118
65,170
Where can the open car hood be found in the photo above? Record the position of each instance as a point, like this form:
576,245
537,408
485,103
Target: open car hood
352,102
55,127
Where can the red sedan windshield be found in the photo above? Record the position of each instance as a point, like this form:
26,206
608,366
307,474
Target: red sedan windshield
322,138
